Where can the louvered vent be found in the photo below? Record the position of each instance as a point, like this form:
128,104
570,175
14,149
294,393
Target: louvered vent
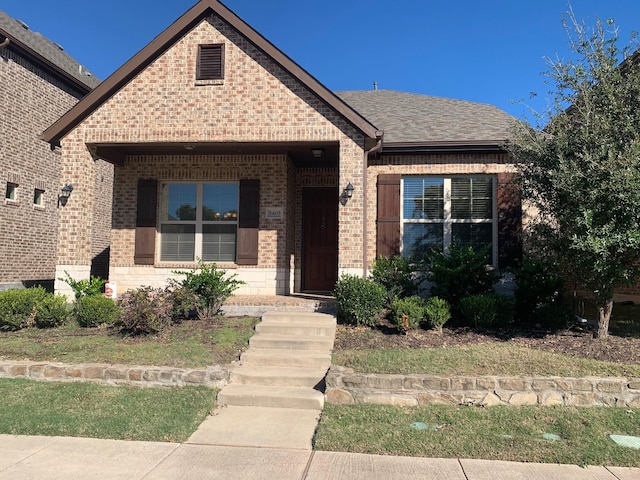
210,62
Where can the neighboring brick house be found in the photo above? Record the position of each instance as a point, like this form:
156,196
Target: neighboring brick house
225,149
40,82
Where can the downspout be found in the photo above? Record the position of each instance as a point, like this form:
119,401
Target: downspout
365,173
5,42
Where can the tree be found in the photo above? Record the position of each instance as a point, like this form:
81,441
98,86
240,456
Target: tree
582,171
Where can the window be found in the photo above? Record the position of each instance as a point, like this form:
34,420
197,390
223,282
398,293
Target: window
437,211
38,195
210,65
198,220
11,192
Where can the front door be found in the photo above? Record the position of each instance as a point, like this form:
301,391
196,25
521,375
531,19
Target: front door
320,238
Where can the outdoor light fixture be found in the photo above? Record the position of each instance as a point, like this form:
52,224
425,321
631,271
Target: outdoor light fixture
347,193
66,193
317,152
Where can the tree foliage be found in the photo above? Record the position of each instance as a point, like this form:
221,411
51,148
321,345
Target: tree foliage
582,171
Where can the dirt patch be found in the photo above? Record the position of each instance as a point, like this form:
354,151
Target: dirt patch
573,343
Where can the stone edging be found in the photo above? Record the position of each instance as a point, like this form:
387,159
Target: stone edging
213,376
345,387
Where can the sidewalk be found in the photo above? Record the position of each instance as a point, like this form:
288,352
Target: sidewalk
52,458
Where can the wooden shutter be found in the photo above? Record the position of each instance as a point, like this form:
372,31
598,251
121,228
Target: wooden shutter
210,62
146,222
388,219
509,221
248,222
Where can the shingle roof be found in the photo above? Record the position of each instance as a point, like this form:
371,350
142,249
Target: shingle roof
46,49
414,118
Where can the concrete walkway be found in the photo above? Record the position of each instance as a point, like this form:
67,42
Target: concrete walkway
53,458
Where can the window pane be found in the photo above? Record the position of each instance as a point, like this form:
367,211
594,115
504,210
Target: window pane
423,198
220,202
477,235
471,198
178,243
179,202
420,238
219,243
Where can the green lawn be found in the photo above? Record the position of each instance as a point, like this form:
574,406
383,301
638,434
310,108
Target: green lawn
191,344
89,410
497,433
483,359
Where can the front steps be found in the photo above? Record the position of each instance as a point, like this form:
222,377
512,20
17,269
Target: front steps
285,364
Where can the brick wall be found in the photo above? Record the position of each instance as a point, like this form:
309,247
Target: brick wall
31,100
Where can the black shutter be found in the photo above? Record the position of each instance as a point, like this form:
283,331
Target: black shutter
210,62
388,218
146,222
248,222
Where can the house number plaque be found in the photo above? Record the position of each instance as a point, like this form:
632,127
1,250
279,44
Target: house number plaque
274,213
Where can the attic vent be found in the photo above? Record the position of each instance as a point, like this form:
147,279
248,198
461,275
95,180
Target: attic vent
22,24
210,64
59,46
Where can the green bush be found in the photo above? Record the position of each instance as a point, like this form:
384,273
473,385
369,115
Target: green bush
359,300
459,273
407,313
210,287
487,310
51,311
396,275
81,288
437,312
95,310
18,308
183,301
145,311
539,294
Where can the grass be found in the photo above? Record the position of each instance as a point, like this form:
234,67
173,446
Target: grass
191,344
90,410
481,359
471,432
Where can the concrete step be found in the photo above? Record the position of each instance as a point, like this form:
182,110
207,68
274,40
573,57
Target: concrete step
261,357
291,342
278,376
279,397
296,328
320,319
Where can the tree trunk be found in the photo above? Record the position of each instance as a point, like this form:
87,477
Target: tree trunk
604,315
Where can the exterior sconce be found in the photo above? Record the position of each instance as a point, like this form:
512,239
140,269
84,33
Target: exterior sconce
63,198
347,193
317,152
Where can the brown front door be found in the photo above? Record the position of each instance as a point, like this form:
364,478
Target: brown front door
320,238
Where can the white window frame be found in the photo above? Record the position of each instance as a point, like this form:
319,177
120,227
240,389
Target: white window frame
198,222
38,198
11,192
447,221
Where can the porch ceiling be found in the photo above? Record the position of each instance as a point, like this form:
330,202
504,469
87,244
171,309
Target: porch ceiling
300,152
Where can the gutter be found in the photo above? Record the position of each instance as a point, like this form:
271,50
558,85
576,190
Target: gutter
365,163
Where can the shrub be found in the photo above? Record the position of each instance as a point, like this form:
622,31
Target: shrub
487,310
359,300
407,313
18,308
459,273
51,311
95,310
183,301
145,311
437,312
395,275
210,287
81,288
539,294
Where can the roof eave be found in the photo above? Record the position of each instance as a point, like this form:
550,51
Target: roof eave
456,146
164,40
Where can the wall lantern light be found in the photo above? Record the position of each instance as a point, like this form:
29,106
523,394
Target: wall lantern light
317,152
347,193
66,193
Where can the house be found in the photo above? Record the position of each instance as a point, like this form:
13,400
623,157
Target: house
225,149
40,82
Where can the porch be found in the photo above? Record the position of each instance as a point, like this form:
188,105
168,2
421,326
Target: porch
256,305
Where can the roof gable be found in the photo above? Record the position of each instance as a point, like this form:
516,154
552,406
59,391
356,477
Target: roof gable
168,38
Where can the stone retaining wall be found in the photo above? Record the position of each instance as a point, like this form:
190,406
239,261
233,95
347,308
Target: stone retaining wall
346,387
215,376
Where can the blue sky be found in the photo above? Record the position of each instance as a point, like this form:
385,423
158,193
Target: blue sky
487,51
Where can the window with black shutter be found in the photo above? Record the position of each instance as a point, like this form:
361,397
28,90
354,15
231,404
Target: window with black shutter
210,62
